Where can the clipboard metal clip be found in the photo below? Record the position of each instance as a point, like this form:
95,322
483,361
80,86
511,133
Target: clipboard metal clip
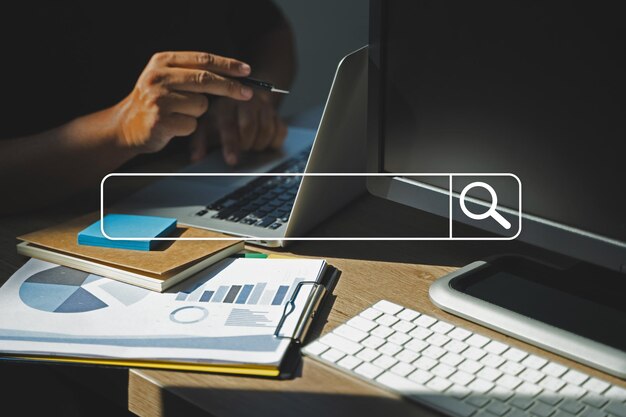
290,307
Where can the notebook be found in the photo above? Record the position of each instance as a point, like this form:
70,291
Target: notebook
156,270
238,316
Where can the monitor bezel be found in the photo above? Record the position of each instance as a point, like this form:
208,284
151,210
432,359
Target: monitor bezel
547,234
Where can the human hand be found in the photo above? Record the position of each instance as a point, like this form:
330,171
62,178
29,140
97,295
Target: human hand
239,126
169,97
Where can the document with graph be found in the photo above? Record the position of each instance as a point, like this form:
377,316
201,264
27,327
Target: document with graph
240,312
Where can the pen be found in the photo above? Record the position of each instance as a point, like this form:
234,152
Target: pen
261,84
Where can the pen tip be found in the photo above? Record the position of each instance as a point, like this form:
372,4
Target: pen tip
277,90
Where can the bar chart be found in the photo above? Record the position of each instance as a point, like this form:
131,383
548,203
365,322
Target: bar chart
261,294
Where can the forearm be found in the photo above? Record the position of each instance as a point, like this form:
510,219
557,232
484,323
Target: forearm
52,165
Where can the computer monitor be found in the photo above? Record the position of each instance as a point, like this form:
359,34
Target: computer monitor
534,89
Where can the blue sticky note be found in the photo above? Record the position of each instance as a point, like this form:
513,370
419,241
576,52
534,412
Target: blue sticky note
127,226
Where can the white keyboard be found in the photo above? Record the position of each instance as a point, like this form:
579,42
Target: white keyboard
459,372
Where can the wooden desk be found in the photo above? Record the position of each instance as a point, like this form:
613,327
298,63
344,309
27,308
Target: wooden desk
397,271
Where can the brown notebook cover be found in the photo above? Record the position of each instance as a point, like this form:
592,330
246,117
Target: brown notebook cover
171,256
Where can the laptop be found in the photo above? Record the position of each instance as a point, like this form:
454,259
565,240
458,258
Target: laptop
273,208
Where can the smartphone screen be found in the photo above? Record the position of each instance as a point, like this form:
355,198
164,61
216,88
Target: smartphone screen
584,300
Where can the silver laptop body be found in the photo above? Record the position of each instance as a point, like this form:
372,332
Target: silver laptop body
338,146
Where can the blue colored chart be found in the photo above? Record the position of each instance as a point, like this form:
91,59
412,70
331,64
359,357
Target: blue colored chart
60,290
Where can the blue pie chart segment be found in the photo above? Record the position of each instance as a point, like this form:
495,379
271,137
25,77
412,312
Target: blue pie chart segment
59,290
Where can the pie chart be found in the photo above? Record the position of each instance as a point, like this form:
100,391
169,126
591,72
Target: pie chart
60,290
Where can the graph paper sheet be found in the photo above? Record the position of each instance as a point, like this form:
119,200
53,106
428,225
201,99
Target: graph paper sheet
226,314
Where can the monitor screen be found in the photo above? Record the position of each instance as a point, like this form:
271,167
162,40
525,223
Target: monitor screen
531,88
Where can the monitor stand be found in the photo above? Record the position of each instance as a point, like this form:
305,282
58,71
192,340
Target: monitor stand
578,312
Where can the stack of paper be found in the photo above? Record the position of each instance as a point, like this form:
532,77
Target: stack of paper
237,316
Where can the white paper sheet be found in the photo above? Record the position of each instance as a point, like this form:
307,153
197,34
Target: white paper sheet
225,314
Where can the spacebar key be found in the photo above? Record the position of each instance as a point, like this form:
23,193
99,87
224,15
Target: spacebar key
424,395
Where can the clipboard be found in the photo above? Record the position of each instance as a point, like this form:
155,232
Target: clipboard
286,370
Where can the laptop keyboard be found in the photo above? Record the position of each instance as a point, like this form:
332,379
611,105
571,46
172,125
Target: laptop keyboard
263,202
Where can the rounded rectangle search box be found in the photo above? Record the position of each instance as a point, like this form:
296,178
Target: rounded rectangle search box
290,206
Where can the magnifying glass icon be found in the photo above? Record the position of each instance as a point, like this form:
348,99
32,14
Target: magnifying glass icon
491,212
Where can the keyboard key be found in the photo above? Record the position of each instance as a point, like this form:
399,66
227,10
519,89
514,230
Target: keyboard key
385,362
616,408
421,376
361,323
315,348
528,389
532,376
480,386
397,383
495,347
462,378
511,368
551,383
382,331
500,393
441,327
451,359
389,349
596,385
498,408
554,369
438,384
403,326
341,343
456,346
473,353
458,391
425,320
492,360
509,382
368,370
407,356
534,362
571,406
478,400
549,397
443,370
416,345
373,342
402,369
562,413
420,333
489,374
514,354
399,338
434,352
367,355
522,402
438,339
333,355
351,333
459,334
349,362
477,340
575,377
408,314
594,400
616,393
592,412
470,366
388,307
371,314
572,391
425,363
387,320
541,409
